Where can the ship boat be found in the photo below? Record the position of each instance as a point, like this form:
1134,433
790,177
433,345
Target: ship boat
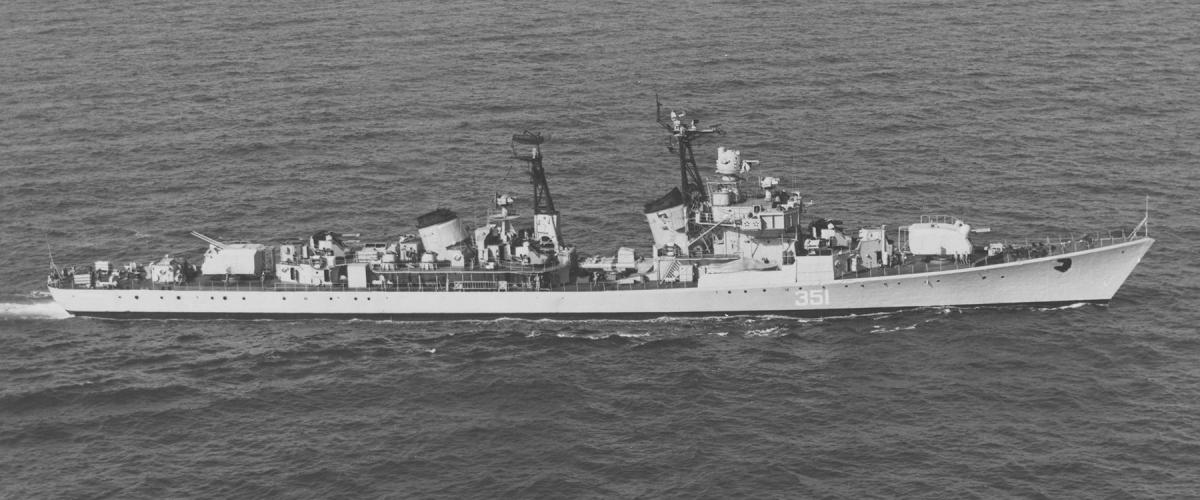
729,243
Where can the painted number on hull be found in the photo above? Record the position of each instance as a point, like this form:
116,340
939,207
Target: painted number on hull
806,298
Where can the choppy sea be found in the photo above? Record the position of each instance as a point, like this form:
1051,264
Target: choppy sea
126,124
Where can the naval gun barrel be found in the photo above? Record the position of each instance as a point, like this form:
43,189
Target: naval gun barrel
208,240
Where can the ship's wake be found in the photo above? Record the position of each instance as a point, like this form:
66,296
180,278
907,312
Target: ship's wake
32,310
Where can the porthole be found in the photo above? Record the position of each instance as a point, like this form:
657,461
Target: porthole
983,277
225,297
136,297
178,297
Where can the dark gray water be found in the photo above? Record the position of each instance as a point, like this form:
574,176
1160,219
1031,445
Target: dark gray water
126,124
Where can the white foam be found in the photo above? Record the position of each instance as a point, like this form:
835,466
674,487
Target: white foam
765,332
1075,305
880,329
603,336
35,310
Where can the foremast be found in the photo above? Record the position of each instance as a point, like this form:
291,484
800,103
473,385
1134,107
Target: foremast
685,133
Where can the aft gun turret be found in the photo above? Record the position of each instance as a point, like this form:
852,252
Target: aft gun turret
235,259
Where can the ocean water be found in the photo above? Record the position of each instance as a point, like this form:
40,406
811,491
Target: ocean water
126,124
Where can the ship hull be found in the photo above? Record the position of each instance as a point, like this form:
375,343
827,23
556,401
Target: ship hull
1088,276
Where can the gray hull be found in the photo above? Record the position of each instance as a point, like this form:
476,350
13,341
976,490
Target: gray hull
1092,275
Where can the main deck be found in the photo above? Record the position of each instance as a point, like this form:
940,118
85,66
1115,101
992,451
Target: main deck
517,277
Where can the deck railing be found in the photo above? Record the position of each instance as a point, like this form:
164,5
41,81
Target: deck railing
440,286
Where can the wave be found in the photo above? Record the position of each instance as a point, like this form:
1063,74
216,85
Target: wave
884,329
35,310
766,332
1076,305
665,319
598,336
91,394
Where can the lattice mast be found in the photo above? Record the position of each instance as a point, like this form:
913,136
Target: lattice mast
684,133
527,146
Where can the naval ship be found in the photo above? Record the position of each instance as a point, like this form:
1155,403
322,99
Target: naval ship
728,243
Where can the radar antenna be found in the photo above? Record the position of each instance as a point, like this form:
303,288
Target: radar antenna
683,134
522,150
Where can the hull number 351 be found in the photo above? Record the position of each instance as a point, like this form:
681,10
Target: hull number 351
806,298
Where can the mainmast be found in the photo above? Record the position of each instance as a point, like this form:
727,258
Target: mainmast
542,202
683,134
527,146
